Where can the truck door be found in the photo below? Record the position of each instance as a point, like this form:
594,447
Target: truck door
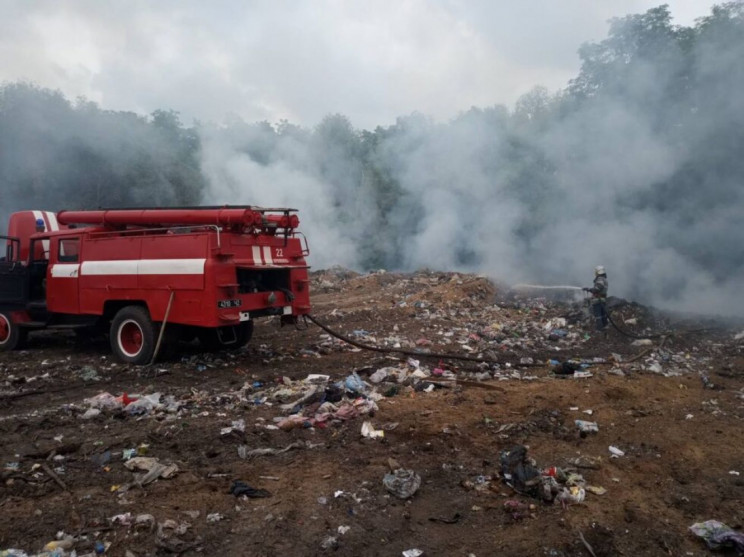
13,276
62,287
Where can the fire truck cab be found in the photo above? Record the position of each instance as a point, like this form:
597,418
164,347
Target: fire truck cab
147,276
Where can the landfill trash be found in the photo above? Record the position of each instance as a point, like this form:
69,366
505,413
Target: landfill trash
355,384
596,489
572,495
343,529
91,413
214,517
243,451
379,376
518,472
144,521
587,427
642,342
454,519
153,468
654,366
239,489
564,368
582,374
707,383
415,552
517,509
402,483
67,542
124,519
370,432
718,536
616,453
329,543
105,401
237,425
101,459
144,404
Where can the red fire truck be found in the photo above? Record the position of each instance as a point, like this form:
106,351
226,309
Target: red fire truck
151,275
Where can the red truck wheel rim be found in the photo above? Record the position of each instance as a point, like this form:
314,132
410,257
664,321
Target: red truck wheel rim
4,329
130,338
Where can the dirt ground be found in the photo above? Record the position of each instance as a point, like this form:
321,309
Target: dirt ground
674,408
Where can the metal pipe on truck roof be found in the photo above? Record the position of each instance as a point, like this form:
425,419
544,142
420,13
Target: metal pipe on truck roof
150,217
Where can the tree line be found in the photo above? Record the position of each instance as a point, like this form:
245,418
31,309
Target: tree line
646,140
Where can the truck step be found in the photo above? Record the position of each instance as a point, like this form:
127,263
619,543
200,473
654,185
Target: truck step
33,324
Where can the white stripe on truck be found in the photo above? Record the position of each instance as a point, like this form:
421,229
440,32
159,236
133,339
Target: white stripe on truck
65,270
144,267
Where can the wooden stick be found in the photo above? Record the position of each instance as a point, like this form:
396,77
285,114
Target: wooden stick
54,476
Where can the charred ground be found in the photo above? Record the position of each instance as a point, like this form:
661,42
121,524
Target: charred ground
674,407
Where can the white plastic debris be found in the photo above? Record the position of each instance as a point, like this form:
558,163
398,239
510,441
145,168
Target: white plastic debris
369,431
615,452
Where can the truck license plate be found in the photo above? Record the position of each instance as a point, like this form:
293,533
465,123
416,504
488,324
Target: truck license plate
229,303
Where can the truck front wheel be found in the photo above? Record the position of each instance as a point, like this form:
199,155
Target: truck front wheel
11,335
133,335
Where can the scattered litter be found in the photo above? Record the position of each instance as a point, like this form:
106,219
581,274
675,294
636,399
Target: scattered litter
243,451
402,483
718,536
518,510
154,469
587,427
572,495
369,431
240,489
615,452
329,543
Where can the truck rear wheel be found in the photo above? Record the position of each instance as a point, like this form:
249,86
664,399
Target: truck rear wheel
11,335
227,338
133,335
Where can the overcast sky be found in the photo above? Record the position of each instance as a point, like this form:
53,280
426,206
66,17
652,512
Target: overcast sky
370,60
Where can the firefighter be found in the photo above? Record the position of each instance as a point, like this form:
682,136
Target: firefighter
599,298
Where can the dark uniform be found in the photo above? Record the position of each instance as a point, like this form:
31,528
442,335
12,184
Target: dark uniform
599,298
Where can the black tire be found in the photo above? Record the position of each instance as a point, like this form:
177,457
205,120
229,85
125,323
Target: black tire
231,337
132,335
12,336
